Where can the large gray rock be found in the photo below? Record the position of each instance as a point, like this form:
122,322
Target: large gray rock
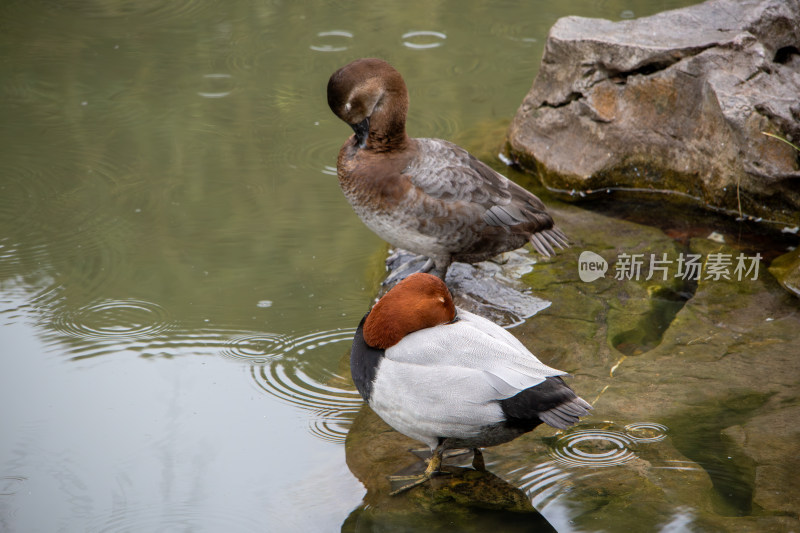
676,103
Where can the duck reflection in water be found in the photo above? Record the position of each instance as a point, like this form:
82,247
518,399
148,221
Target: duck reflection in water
427,196
450,378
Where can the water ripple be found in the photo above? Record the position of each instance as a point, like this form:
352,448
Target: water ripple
332,41
315,154
218,85
580,455
15,296
646,431
593,447
544,482
277,362
10,485
76,233
552,480
118,319
166,344
332,408
9,258
322,338
331,404
258,348
423,40
436,125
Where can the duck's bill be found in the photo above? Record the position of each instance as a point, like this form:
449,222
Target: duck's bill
362,131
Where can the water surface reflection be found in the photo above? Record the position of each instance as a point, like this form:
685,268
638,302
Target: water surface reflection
179,273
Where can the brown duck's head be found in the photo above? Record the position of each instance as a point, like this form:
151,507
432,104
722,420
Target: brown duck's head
370,96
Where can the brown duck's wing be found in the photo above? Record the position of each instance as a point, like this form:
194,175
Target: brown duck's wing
447,173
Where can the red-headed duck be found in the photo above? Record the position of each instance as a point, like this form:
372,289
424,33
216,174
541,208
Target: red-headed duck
427,196
452,379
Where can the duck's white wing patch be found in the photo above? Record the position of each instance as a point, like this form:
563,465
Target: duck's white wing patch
477,344
424,402
498,332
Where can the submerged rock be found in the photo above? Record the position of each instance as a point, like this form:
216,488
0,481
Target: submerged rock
675,103
786,270
771,440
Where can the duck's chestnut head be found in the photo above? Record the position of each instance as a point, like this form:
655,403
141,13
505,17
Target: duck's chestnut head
420,301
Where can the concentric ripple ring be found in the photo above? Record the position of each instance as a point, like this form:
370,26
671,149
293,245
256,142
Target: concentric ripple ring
258,348
410,39
593,447
646,431
128,318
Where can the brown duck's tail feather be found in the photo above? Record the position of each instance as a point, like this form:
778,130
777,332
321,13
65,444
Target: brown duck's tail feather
544,240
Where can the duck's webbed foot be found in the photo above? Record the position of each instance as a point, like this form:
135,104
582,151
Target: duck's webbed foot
428,266
439,265
407,268
457,455
403,483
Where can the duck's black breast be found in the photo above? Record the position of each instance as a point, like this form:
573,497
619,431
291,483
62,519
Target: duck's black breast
364,362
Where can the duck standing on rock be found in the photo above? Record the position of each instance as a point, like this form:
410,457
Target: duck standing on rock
427,196
452,379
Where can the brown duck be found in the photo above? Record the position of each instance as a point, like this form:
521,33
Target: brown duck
427,196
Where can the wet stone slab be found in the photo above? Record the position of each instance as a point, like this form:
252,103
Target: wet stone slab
492,289
695,384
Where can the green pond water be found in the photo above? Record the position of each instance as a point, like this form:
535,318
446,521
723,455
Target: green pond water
180,275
